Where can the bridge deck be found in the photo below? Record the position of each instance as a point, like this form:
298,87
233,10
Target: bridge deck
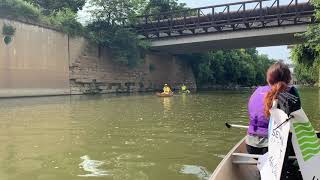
194,21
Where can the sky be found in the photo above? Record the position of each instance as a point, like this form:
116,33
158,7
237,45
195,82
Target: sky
274,52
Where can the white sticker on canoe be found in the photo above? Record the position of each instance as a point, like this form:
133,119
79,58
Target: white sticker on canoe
270,164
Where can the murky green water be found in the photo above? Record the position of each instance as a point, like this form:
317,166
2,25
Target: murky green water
135,137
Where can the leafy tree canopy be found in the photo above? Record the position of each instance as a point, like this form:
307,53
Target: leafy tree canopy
306,57
158,6
240,66
50,6
110,17
125,46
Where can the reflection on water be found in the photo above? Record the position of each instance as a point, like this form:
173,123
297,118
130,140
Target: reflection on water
166,101
200,172
219,155
92,167
138,137
184,97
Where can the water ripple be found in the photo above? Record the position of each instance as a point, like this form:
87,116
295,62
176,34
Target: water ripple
92,167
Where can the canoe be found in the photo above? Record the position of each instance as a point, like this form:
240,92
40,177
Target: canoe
234,166
164,95
238,164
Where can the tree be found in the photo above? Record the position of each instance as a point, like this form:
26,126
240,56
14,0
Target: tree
19,8
306,60
160,6
49,6
108,30
240,67
306,56
66,20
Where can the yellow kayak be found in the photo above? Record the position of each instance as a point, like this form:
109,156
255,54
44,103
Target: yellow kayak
164,94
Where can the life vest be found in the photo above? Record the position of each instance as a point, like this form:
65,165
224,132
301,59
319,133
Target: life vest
258,121
166,89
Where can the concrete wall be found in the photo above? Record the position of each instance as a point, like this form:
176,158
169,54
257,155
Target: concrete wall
34,63
96,72
42,61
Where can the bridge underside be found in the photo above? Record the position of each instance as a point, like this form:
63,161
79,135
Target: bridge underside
273,36
209,28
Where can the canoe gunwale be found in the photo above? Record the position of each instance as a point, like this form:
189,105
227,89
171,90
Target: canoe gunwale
226,159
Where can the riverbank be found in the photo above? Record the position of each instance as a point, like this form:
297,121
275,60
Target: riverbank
42,61
223,87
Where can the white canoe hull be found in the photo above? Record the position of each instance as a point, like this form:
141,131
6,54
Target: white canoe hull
238,165
228,170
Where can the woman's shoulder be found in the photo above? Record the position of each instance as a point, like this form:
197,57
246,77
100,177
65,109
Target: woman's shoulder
260,91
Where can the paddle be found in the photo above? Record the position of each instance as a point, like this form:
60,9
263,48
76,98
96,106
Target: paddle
246,127
235,125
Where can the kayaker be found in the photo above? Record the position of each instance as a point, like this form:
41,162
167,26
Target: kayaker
278,78
166,89
184,89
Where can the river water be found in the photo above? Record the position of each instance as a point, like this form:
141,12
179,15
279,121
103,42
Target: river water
136,137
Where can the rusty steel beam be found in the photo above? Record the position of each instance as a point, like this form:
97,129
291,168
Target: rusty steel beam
176,23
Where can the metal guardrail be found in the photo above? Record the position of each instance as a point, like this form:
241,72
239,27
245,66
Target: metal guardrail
225,17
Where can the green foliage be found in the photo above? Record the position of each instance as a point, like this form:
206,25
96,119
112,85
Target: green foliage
241,67
19,8
306,56
7,39
305,74
66,19
114,11
50,6
159,6
313,33
125,45
107,30
8,30
152,67
306,60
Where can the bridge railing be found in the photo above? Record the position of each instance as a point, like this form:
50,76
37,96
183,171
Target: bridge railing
232,16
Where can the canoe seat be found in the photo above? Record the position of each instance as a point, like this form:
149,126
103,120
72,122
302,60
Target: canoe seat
248,159
249,162
245,159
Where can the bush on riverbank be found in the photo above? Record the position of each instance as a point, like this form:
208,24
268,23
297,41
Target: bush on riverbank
64,19
19,9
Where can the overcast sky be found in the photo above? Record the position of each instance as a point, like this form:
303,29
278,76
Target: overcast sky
275,52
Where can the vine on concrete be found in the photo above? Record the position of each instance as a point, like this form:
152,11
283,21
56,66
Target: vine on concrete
8,32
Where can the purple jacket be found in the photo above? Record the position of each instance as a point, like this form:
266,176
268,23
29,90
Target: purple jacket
258,122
